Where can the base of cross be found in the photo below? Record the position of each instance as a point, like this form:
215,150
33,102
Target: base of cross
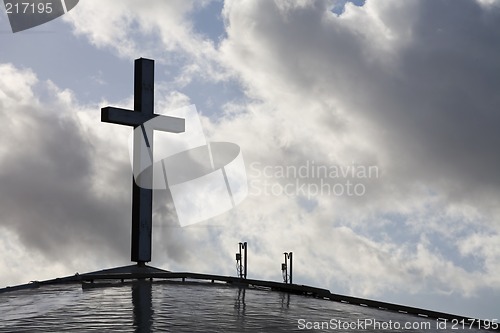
139,268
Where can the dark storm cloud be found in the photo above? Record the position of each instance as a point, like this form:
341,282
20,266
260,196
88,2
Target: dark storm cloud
440,104
48,178
427,82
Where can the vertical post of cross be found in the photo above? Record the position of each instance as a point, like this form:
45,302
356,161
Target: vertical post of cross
142,198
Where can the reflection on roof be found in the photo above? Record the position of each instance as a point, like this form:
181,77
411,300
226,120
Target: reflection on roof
188,305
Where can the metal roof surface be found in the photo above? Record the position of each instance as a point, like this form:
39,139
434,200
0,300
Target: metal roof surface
144,306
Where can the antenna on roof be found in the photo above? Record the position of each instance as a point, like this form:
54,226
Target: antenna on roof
284,267
241,265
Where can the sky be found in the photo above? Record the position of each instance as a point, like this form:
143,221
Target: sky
369,131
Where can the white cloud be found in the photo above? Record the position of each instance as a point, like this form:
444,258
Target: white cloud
161,30
488,3
16,85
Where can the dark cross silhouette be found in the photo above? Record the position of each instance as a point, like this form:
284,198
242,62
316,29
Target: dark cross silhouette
142,193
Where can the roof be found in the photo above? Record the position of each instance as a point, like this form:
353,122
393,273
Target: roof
148,299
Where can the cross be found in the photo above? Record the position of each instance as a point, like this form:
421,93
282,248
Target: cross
142,196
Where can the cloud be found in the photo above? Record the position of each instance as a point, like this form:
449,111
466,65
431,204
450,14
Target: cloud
50,196
162,30
315,70
404,86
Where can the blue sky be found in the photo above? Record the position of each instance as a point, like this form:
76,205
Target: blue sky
409,87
